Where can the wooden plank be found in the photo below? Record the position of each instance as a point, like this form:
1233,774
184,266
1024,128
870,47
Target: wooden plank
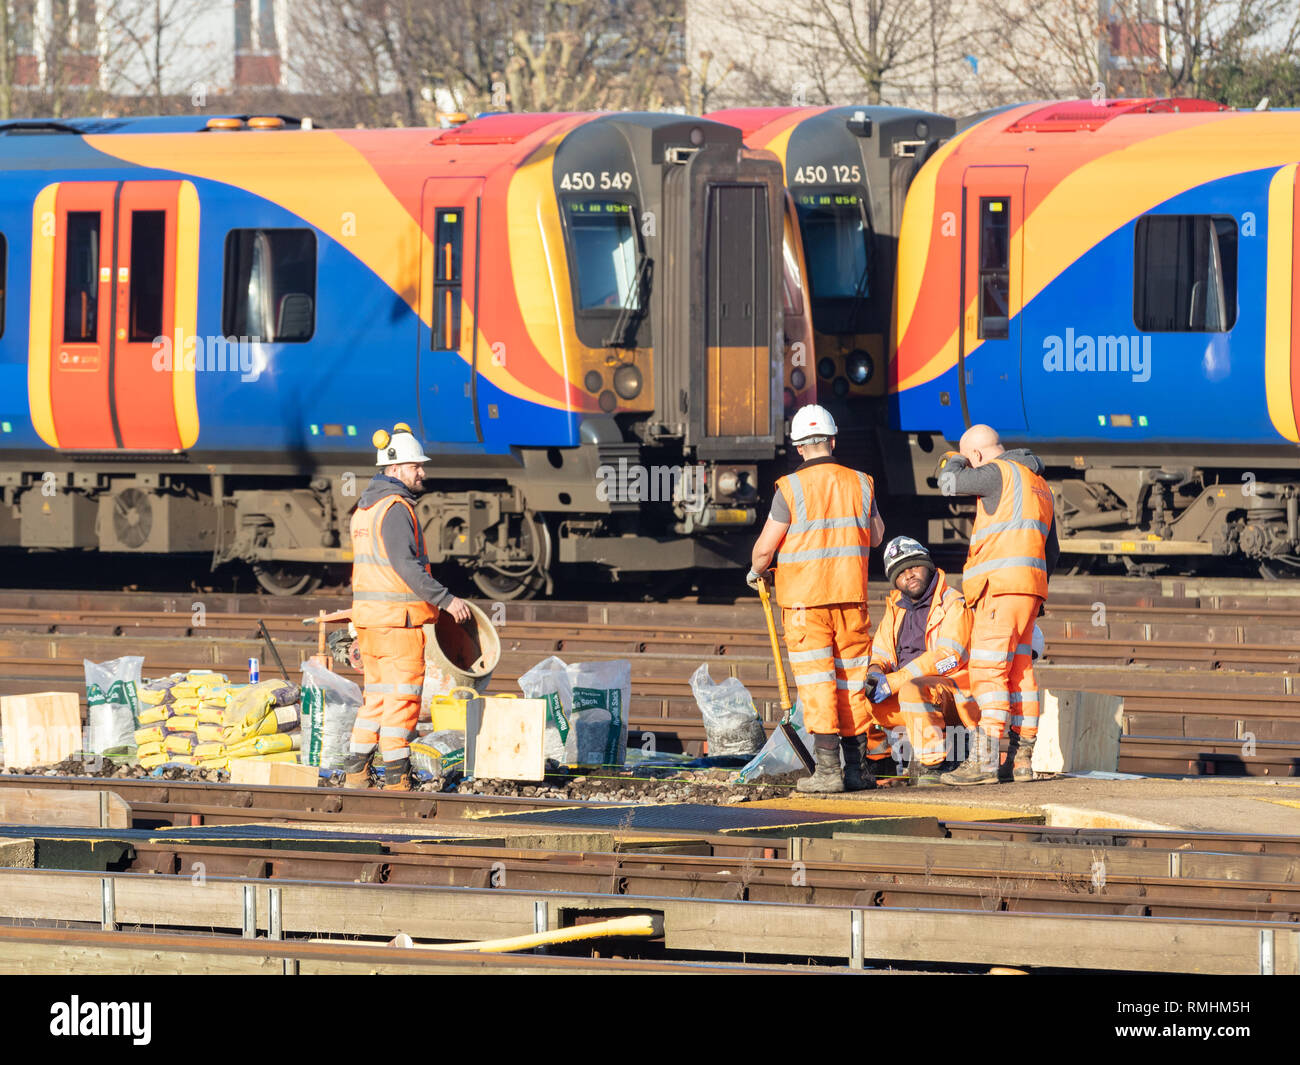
273,774
899,851
40,729
975,937
64,807
1078,731
505,738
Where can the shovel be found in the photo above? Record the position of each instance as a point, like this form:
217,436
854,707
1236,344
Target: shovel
787,729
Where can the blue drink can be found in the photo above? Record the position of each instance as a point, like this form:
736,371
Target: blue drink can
252,671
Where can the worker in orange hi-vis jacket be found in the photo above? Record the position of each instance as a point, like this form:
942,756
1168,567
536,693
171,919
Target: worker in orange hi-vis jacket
823,524
393,595
1013,550
918,682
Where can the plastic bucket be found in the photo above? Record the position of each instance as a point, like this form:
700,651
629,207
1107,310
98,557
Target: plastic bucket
465,654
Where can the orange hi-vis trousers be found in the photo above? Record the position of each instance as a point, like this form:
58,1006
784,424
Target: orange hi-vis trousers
1001,663
920,713
829,649
393,663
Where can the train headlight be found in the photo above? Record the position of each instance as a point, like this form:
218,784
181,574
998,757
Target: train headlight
859,366
826,368
789,400
798,379
627,381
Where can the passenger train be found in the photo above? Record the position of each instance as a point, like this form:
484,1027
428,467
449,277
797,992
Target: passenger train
205,318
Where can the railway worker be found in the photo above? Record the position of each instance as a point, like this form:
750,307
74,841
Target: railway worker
393,594
917,681
1013,550
823,524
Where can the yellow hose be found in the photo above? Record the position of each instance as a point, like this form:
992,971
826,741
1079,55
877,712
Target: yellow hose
638,925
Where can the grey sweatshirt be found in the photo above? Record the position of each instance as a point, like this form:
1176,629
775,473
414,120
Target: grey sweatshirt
398,532
986,482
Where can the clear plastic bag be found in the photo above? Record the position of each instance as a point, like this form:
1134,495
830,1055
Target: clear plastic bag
329,709
602,686
113,702
731,721
439,753
549,680
777,756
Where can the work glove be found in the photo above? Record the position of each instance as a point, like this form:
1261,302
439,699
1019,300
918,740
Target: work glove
876,687
951,461
753,579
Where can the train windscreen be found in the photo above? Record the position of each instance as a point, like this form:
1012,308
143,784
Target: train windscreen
604,254
835,242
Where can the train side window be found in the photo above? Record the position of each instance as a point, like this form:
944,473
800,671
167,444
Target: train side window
995,267
448,235
148,229
270,285
4,279
1185,273
81,278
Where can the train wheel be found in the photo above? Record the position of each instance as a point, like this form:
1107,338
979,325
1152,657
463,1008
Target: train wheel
525,581
287,578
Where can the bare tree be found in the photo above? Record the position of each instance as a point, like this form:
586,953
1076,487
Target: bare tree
407,59
150,52
835,51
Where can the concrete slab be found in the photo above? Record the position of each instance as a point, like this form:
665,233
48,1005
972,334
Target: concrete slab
1197,804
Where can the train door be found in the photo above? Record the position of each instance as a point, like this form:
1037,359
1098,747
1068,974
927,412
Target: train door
449,275
992,270
114,294
738,312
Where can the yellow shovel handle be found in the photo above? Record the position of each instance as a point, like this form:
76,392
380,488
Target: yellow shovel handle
776,645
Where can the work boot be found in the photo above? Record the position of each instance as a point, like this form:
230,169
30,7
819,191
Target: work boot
397,775
859,770
356,769
981,765
1023,769
827,779
925,776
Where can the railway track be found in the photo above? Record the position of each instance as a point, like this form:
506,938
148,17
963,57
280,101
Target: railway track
1189,706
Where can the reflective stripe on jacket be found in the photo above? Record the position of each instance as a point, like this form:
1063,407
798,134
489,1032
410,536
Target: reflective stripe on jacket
1008,548
823,558
379,596
947,638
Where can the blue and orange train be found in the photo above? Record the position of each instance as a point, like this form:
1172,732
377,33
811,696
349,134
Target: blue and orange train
205,320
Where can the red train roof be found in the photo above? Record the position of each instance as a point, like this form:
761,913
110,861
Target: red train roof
1071,116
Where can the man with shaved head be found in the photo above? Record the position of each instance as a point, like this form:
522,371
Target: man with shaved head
1013,550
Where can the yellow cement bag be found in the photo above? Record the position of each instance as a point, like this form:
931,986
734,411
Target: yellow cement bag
265,745
152,715
188,705
206,678
153,761
152,734
280,756
274,719
208,732
215,763
151,698
248,706
179,742
184,691
182,723
148,750
207,751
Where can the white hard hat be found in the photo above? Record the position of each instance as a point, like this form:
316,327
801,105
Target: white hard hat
398,446
810,422
1037,644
